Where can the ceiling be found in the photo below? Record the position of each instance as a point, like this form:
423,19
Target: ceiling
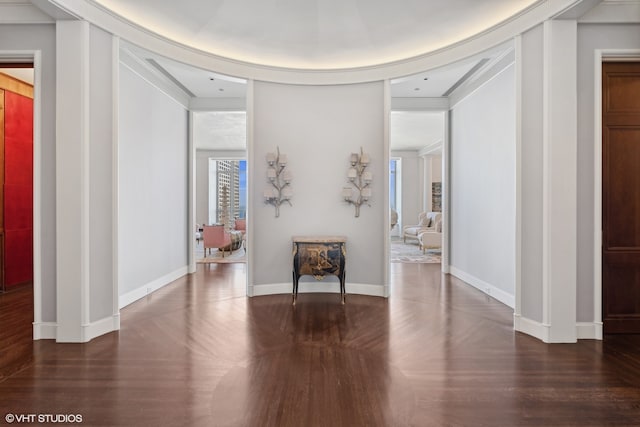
416,130
226,131
313,34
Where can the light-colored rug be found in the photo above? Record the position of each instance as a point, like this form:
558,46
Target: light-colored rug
237,256
411,253
400,252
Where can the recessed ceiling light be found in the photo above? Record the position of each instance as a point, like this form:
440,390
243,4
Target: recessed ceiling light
426,78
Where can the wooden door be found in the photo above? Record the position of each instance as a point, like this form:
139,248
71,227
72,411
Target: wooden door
621,197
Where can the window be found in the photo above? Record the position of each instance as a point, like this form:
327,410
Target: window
227,190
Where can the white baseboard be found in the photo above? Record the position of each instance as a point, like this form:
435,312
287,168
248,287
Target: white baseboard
485,287
144,290
589,330
531,327
44,330
101,327
49,330
584,330
319,287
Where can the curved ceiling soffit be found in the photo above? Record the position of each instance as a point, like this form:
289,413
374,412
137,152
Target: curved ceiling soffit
114,24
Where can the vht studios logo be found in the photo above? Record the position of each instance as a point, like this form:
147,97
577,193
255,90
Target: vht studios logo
43,418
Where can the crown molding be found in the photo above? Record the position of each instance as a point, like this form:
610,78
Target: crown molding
153,76
613,12
23,13
534,15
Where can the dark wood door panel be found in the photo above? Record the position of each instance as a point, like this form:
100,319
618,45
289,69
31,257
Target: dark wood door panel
622,187
621,197
621,299
624,90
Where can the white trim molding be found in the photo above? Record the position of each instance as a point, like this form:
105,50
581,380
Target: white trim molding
446,194
387,203
154,77
541,331
144,290
559,187
600,56
44,331
531,327
487,288
49,330
250,188
518,230
115,173
100,327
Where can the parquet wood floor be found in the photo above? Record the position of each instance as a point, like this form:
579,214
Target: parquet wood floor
436,353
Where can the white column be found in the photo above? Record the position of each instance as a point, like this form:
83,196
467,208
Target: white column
72,180
559,181
446,193
191,247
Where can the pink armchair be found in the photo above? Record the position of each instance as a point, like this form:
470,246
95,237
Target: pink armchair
241,225
214,236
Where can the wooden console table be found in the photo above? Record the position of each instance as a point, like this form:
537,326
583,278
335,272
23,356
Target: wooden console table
319,256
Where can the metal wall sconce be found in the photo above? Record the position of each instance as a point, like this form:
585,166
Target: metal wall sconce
360,178
280,179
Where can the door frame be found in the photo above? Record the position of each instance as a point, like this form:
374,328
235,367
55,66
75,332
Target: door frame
35,56
600,56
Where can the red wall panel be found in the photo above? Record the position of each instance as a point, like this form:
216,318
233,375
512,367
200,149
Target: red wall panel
18,189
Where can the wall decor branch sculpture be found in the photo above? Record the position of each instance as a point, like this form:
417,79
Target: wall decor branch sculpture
280,179
360,178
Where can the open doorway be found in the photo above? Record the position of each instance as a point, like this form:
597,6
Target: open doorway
16,215
16,175
415,182
221,186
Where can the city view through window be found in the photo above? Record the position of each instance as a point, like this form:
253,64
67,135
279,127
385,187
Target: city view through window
227,190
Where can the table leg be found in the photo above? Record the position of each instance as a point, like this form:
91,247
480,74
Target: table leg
294,293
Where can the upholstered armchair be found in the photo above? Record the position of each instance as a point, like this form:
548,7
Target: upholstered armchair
214,236
426,222
431,239
241,225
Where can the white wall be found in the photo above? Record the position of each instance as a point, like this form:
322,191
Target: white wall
412,187
317,127
591,37
483,187
101,178
532,173
43,39
153,181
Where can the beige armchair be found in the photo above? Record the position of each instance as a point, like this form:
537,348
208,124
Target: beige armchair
431,239
426,222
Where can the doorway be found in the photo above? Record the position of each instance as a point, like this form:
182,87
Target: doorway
620,197
16,175
16,215
221,184
416,144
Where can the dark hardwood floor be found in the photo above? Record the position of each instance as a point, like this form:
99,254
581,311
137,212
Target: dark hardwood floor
199,353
